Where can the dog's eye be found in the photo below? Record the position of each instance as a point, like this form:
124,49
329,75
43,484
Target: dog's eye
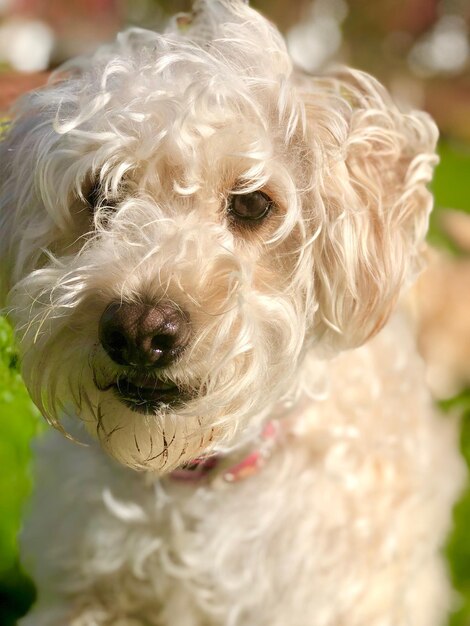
249,207
94,195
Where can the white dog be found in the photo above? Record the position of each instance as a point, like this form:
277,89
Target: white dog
195,243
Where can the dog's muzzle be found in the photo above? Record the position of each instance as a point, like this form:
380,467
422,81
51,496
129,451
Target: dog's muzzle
144,339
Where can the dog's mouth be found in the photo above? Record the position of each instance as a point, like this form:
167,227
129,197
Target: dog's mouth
145,394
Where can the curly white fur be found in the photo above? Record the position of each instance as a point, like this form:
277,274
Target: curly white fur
337,528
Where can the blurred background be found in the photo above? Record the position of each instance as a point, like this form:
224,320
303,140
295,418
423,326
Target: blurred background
421,50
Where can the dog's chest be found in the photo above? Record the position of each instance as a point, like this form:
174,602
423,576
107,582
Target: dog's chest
323,515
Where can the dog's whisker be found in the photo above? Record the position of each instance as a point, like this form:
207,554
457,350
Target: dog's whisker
113,431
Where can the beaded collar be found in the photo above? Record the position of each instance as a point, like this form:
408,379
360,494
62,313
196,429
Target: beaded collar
205,467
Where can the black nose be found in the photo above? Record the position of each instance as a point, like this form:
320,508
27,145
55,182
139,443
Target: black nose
143,335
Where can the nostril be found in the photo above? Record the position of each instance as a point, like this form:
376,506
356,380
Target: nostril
116,340
162,342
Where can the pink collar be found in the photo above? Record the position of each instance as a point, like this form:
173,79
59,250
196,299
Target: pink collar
204,468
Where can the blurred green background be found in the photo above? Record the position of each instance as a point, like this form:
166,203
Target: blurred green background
419,48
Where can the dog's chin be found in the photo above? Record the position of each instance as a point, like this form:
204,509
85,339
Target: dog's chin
149,424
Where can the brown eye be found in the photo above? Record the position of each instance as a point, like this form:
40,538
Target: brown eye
249,207
94,195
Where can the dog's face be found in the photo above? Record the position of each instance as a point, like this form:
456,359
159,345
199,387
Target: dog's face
183,218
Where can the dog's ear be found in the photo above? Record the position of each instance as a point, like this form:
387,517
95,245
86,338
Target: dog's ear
370,167
23,222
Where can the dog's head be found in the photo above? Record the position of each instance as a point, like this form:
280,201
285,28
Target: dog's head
182,217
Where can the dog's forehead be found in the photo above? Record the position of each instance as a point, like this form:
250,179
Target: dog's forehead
160,70
163,96
219,111
229,57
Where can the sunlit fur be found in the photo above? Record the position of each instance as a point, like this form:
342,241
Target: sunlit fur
169,125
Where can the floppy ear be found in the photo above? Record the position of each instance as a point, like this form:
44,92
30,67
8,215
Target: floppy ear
26,228
371,164
18,227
